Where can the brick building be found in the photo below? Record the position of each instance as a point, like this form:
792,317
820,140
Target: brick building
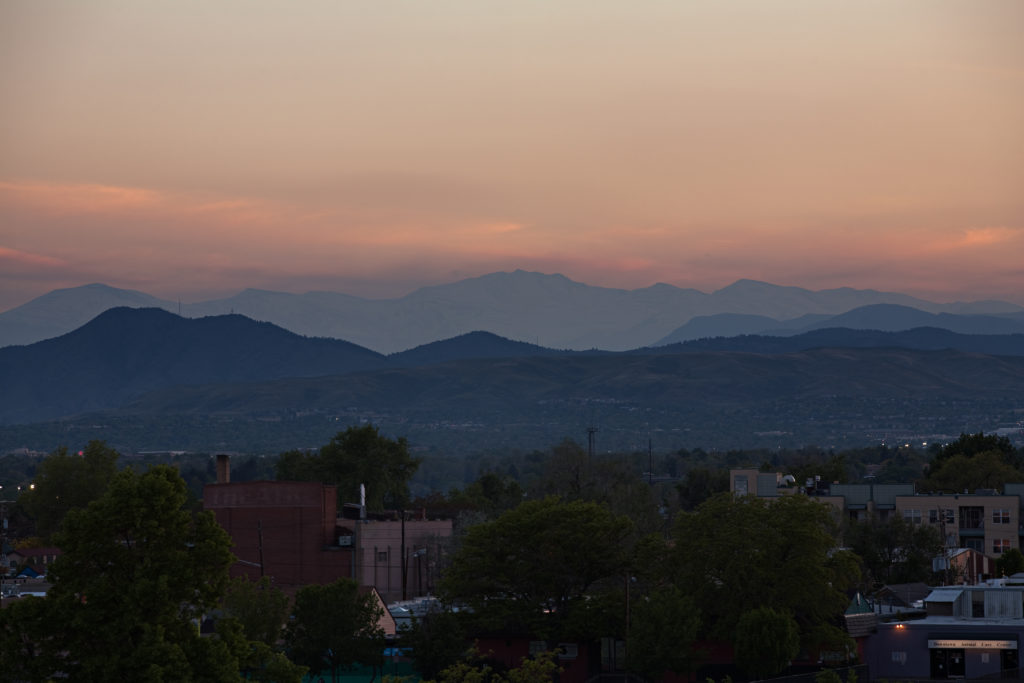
293,532
286,530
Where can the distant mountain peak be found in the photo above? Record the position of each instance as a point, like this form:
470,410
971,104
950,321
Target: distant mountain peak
746,285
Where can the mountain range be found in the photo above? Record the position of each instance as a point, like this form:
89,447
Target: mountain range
548,310
153,366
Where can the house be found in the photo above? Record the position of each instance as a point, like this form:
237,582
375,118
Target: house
36,559
386,621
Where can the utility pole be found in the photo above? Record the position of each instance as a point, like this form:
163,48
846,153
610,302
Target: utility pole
405,561
650,462
259,533
591,431
3,540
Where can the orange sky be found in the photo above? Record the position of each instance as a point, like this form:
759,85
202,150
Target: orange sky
193,148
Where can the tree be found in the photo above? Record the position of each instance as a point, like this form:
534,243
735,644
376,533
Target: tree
960,472
766,641
536,567
257,660
437,640
358,455
475,668
662,628
566,471
1010,562
29,644
973,461
733,552
67,481
894,550
699,484
260,609
137,573
335,626
833,469
970,445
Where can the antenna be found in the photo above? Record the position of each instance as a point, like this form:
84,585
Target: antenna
590,443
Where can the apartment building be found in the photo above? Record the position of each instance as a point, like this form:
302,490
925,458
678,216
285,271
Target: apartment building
983,520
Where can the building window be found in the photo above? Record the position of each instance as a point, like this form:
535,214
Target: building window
974,544
944,515
1000,546
912,516
972,517
382,556
740,485
1000,516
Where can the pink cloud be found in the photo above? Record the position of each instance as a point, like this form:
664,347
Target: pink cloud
15,259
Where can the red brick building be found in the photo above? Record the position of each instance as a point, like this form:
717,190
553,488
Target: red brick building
286,530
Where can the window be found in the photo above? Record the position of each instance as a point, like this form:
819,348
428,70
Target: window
1000,545
912,516
1000,516
944,515
974,544
382,556
740,485
972,517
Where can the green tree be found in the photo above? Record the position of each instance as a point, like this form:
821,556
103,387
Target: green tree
537,566
30,648
437,640
831,470
475,668
663,626
567,471
66,481
260,609
257,661
491,494
1010,562
335,626
358,455
137,573
830,676
970,445
960,472
733,552
766,641
973,461
699,484
894,550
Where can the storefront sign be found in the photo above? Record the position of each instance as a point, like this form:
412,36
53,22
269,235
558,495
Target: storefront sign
949,644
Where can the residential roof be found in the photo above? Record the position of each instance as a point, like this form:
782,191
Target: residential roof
945,595
906,594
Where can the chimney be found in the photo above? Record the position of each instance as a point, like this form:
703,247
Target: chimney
223,468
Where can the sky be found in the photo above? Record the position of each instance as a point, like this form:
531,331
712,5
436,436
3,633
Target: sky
193,148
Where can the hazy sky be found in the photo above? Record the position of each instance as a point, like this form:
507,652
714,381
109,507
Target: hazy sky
193,148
